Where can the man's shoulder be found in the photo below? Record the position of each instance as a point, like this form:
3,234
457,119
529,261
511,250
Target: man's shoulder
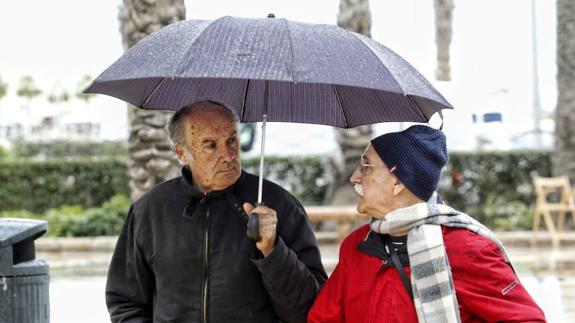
159,192
465,244
356,236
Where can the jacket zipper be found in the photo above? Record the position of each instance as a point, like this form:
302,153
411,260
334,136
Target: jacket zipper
206,266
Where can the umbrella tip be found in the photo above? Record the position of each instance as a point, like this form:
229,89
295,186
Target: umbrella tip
271,15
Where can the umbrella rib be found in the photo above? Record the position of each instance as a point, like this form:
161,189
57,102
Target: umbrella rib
244,102
153,92
372,51
418,108
340,106
291,67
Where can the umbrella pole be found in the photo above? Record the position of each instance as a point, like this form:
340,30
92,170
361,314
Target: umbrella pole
253,225
263,145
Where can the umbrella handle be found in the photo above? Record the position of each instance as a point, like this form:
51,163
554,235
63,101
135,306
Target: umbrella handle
253,227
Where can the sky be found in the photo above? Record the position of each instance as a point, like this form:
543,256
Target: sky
59,41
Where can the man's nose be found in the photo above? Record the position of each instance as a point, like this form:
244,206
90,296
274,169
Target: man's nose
355,176
228,154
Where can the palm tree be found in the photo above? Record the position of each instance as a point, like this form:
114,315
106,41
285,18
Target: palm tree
58,94
82,84
443,22
28,88
151,160
3,89
564,152
354,15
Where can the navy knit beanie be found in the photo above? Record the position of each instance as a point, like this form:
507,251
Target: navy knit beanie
418,154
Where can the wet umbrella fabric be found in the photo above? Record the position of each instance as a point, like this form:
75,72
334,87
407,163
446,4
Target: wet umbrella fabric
271,70
319,74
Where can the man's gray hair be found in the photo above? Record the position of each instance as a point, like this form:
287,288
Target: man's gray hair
175,128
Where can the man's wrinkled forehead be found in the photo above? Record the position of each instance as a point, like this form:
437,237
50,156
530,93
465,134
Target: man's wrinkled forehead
211,125
370,155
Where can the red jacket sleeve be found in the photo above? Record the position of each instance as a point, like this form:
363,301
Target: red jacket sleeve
487,288
328,306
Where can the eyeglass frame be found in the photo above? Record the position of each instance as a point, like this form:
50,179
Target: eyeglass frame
364,167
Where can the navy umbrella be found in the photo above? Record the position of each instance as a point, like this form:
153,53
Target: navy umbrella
272,70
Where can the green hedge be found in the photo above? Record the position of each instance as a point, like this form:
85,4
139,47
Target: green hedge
305,177
495,187
74,221
41,185
66,149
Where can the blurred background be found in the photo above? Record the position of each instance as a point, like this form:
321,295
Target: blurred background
78,161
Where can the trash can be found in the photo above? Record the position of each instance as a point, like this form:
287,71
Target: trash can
24,280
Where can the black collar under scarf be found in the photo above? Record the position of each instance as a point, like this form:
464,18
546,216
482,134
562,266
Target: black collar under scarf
199,201
375,245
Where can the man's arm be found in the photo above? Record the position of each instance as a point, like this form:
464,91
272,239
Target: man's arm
292,273
130,284
492,291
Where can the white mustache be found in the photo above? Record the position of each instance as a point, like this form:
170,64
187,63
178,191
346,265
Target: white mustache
358,189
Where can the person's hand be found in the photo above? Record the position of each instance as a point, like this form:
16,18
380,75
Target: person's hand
268,223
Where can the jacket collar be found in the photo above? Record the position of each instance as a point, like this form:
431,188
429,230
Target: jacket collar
374,245
198,200
196,195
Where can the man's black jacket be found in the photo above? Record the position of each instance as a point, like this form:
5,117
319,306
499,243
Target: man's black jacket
184,256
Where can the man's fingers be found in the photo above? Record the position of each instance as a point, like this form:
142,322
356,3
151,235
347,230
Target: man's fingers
248,207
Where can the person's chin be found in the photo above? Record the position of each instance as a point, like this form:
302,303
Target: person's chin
360,207
230,176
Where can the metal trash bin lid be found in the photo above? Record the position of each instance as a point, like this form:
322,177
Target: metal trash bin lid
13,231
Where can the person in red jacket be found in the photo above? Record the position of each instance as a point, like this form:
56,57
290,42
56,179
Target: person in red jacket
418,260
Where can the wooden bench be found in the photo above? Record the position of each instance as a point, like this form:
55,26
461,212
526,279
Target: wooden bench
554,197
345,217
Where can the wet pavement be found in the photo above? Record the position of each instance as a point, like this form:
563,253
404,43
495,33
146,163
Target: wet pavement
78,281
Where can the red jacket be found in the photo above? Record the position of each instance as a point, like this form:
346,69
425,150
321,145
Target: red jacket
361,289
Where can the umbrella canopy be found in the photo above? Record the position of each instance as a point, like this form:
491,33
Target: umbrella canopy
271,70
290,71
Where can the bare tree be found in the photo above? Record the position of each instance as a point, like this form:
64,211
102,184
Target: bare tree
151,159
564,152
443,29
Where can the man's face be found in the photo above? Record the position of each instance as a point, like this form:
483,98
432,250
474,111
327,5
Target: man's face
213,149
377,185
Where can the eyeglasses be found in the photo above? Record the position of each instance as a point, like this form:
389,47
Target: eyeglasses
364,168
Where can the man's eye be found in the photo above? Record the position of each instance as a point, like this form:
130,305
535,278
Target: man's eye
210,146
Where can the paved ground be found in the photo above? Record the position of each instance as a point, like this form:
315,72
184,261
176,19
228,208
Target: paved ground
78,280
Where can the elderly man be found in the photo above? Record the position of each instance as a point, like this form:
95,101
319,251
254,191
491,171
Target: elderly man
418,261
183,254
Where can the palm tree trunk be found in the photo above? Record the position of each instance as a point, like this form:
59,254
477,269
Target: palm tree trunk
443,23
151,160
354,15
564,152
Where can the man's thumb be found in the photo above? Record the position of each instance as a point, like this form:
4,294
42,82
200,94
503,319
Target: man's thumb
248,207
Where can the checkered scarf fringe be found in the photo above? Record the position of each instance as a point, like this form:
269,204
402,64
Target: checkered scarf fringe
431,281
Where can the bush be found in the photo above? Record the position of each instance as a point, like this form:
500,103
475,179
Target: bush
67,149
74,221
3,153
495,187
40,185
305,177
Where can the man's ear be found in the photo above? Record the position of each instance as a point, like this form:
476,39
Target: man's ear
398,187
181,153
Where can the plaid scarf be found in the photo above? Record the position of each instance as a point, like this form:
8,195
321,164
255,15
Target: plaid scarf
431,281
